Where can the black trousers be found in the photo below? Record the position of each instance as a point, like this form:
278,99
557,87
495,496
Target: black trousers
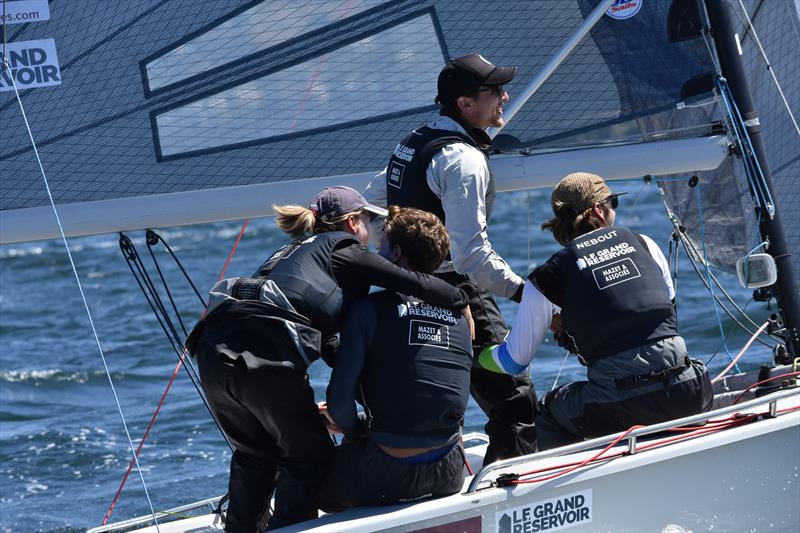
509,401
280,441
363,474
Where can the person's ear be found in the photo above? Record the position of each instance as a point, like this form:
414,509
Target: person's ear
351,225
464,103
599,213
396,253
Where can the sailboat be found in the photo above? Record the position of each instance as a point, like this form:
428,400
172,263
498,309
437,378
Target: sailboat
164,113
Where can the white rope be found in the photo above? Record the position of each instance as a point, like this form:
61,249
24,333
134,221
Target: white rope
563,362
83,296
769,67
740,354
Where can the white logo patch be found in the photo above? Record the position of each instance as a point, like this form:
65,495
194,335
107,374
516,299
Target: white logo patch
548,515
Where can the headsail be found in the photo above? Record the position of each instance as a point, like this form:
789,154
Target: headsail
173,97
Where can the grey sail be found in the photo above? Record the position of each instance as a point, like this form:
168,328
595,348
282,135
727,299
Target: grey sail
162,108
728,216
167,98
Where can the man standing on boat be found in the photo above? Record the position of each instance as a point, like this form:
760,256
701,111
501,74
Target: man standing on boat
409,363
608,295
442,168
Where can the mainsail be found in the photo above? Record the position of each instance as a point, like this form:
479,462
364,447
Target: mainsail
157,112
173,98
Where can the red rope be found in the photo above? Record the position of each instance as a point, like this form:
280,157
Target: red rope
168,387
773,378
734,420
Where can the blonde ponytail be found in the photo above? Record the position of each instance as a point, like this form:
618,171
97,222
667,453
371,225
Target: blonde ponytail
297,220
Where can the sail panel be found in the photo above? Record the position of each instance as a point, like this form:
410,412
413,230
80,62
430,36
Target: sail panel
728,228
99,131
243,33
337,88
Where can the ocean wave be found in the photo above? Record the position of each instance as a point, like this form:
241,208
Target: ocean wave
54,374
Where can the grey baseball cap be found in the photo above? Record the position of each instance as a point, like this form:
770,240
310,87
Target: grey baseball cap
336,201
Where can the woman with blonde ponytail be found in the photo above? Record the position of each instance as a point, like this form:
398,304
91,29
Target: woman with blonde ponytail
608,297
260,334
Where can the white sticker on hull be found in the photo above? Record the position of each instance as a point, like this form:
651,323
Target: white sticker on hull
547,515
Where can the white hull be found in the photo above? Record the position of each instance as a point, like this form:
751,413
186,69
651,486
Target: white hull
745,478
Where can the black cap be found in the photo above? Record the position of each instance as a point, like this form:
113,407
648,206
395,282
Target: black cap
337,201
464,75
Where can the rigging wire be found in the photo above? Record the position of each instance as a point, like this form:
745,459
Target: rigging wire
753,169
80,289
769,66
635,203
182,354
691,253
707,266
161,313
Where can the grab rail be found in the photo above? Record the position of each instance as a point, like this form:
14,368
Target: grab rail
210,502
771,399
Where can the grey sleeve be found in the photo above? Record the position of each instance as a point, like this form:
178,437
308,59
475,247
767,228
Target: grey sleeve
459,175
356,338
375,193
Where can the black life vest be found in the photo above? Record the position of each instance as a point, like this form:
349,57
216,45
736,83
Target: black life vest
611,292
406,173
302,271
415,381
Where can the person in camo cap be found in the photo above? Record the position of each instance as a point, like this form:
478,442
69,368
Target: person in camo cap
608,297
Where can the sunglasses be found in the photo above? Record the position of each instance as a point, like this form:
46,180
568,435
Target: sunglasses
612,200
496,90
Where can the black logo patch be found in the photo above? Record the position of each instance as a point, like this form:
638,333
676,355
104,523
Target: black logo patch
394,174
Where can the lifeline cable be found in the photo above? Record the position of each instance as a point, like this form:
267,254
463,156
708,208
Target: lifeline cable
83,296
712,426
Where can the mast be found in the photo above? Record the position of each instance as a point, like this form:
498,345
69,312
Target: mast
771,227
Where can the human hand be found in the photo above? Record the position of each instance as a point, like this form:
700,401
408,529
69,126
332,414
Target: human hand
332,427
468,315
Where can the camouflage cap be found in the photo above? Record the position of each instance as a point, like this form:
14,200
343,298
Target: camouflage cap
579,191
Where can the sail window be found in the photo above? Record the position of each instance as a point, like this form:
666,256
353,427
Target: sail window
384,74
256,29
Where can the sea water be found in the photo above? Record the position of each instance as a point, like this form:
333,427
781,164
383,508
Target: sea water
63,445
